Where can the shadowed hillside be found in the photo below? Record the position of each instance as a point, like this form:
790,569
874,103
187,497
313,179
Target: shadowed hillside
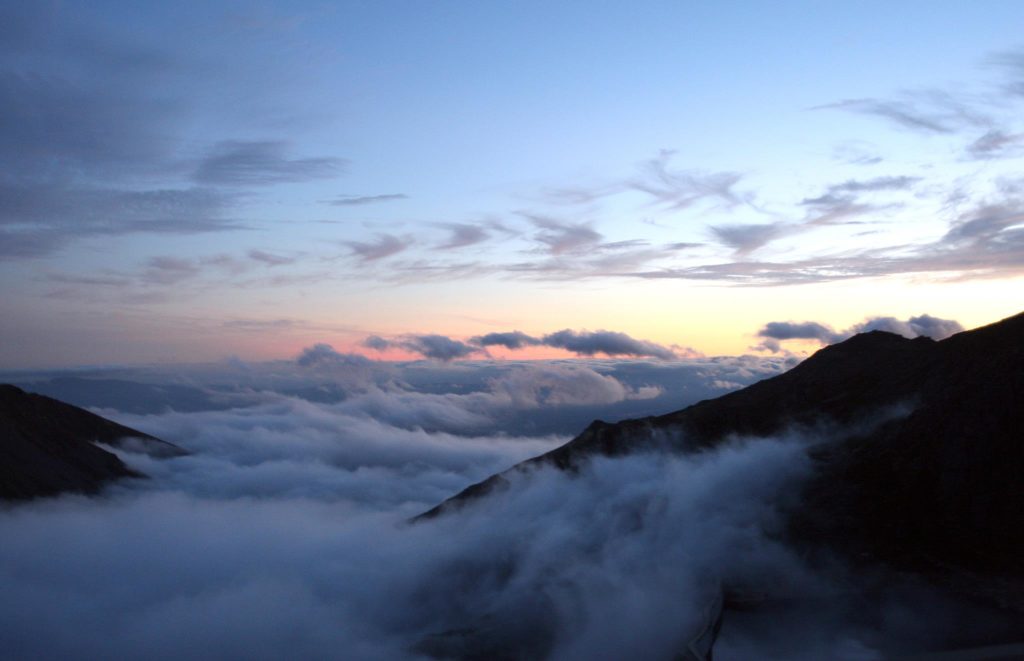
48,447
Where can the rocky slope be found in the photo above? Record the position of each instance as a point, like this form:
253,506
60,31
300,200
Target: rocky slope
48,447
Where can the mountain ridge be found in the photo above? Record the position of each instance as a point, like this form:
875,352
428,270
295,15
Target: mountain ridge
48,447
934,485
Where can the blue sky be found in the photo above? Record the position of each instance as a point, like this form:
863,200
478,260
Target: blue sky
189,182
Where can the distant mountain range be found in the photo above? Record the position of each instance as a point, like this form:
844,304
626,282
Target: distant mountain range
48,447
926,473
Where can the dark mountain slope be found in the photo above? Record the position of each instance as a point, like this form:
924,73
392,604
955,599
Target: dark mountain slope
938,483
47,447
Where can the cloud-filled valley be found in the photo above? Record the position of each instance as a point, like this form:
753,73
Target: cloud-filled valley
286,530
510,330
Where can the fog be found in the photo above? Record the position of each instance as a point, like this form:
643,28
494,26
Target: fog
285,533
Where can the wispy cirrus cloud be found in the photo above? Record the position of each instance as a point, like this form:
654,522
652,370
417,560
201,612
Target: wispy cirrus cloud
669,188
561,236
261,163
927,111
462,235
383,246
363,200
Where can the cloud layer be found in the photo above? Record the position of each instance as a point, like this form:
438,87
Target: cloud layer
285,532
924,325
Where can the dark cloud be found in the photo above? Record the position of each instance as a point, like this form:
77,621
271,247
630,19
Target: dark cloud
922,326
512,340
584,343
384,246
438,347
377,343
745,239
432,346
261,163
360,200
925,325
320,355
775,331
610,343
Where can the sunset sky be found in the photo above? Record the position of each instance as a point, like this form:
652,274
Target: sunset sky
251,179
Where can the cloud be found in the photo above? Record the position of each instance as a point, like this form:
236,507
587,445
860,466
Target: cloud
997,143
86,150
983,242
270,259
376,343
432,346
320,355
934,112
584,343
262,325
1011,63
38,219
385,245
438,347
678,190
561,385
283,534
510,340
774,331
361,200
462,235
169,270
610,343
924,325
672,189
745,239
876,184
562,237
261,163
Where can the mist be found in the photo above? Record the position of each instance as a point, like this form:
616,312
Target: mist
286,532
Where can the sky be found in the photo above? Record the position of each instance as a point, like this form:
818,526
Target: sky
187,183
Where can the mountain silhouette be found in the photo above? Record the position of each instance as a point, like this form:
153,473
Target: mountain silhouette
48,447
927,452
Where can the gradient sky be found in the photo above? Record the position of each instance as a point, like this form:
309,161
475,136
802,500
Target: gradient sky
187,182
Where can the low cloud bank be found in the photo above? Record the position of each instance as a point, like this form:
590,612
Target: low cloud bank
205,561
285,533
581,343
775,332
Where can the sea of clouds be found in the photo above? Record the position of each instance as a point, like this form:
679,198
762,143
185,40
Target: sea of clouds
285,533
